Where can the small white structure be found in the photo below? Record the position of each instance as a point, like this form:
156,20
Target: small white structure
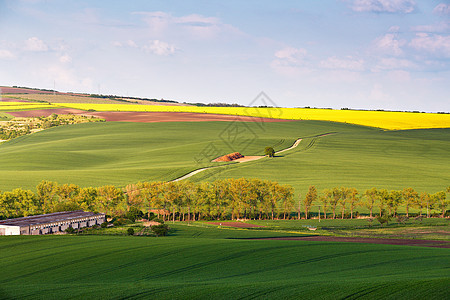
50,223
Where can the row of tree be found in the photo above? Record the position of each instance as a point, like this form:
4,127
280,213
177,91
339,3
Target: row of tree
381,198
221,199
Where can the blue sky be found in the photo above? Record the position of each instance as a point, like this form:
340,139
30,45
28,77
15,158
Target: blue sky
370,54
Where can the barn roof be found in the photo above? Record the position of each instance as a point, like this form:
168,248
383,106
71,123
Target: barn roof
48,218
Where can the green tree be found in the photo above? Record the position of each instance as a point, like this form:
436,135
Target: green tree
383,197
334,201
269,152
394,200
345,192
353,200
108,198
310,197
287,195
47,192
371,196
325,199
410,196
440,198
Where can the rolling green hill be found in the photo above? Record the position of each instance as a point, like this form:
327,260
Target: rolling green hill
212,267
121,153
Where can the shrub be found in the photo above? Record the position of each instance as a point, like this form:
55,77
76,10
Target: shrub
104,225
130,231
158,220
384,219
70,230
160,230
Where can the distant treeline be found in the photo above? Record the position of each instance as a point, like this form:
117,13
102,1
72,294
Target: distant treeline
219,104
222,199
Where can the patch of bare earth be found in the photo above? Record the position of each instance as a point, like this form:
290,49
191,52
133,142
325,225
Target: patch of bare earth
402,242
235,224
153,117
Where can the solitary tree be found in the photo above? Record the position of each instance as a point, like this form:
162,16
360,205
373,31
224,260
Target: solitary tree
269,151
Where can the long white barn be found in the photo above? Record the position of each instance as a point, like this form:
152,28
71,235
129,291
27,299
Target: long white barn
50,223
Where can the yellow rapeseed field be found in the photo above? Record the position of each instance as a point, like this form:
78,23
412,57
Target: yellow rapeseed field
10,106
380,119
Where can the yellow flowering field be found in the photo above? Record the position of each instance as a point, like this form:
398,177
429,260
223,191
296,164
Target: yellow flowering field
10,106
380,119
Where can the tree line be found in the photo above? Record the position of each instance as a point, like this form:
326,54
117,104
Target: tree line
221,199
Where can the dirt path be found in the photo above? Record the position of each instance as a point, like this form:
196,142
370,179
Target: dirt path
235,224
240,160
403,242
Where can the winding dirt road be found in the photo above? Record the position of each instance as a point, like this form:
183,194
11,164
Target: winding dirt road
240,160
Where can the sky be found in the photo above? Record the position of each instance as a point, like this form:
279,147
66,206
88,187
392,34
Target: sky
360,54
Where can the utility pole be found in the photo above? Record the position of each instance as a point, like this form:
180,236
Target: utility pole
319,213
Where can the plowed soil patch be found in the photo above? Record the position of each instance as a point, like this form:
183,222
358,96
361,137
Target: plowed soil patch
153,117
403,242
144,117
11,90
46,112
235,224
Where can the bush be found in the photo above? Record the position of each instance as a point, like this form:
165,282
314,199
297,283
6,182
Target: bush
160,230
104,225
158,220
384,219
130,231
70,230
134,214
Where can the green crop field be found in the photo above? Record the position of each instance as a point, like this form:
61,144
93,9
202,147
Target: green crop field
190,264
121,153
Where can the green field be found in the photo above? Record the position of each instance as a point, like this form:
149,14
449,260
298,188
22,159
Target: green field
195,264
121,153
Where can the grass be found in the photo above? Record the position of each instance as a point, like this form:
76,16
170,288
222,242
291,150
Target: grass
121,153
380,119
188,265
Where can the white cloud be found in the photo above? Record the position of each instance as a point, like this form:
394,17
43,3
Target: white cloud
384,6
65,58
436,44
442,9
399,76
66,78
438,27
159,48
6,54
393,64
290,61
195,25
128,43
389,44
348,63
35,44
291,55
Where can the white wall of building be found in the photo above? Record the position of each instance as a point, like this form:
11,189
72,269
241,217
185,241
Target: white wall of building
11,230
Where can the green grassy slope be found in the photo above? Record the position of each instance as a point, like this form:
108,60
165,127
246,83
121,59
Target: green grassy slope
182,267
122,153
